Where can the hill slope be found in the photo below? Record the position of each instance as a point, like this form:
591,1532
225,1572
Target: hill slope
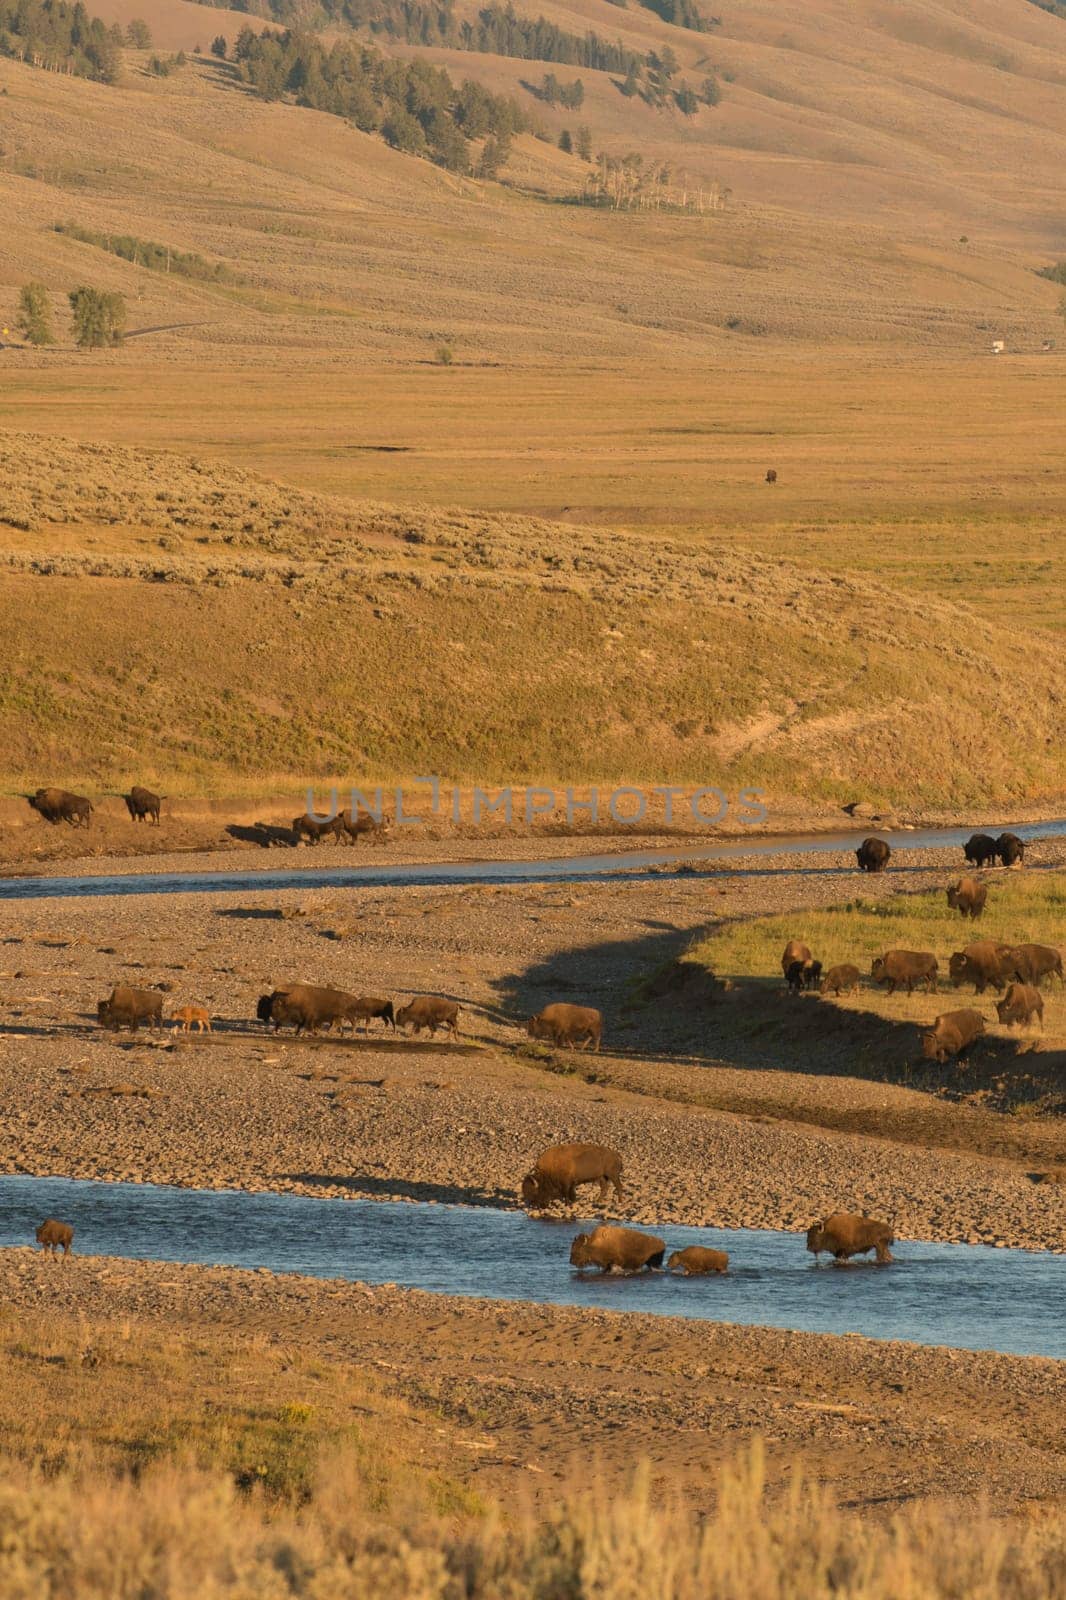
219,629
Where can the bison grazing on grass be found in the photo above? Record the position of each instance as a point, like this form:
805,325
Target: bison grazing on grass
617,1249
696,1261
559,1171
566,1024
1031,962
873,855
905,966
59,805
127,1008
53,1236
952,1034
143,805
840,980
1010,849
979,849
795,950
1021,1004
844,1235
429,1011
803,975
981,964
968,897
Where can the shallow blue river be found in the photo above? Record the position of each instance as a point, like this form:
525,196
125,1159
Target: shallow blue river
969,1296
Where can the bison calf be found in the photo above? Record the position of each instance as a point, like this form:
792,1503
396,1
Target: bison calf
844,1235
53,1236
695,1260
617,1249
368,1006
841,980
186,1016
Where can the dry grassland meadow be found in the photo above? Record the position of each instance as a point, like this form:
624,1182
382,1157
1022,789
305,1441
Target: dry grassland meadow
574,395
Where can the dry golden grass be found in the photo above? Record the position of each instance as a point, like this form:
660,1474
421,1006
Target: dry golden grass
197,1467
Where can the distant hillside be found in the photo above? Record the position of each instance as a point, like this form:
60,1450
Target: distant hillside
223,629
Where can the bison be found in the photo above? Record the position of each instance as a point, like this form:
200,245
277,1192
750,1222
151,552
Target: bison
143,805
353,825
840,980
872,855
795,950
1021,1004
1010,849
567,1024
127,1007
979,849
952,1034
905,966
981,964
313,829
844,1235
368,1006
304,1005
803,975
771,476
185,1016
558,1172
618,1249
968,897
1031,962
59,805
695,1260
53,1236
429,1011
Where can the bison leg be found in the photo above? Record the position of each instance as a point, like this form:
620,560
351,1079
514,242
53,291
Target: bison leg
617,1186
656,1260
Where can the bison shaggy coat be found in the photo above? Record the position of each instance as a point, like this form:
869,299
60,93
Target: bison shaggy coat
1010,849
952,1034
844,1235
795,950
968,898
905,966
127,1007
981,964
696,1260
873,855
617,1249
59,805
1028,963
305,1006
53,1236
1021,1004
841,980
558,1171
979,849
566,1024
429,1011
143,805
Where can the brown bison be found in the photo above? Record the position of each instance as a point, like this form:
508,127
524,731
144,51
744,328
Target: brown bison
567,1024
803,975
1031,962
368,1006
844,1235
873,855
59,805
979,849
795,950
1021,1004
1010,849
617,1249
905,966
313,829
841,980
185,1016
143,805
771,475
981,964
559,1171
53,1236
695,1260
353,827
429,1011
952,1034
968,897
305,1006
128,1008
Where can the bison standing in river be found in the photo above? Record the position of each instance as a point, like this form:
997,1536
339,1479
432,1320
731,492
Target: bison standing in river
696,1260
617,1249
558,1171
844,1234
873,855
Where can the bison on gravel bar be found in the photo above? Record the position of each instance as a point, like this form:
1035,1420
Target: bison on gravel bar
843,979
313,829
844,1235
53,1236
59,805
563,1023
905,966
979,849
696,1260
429,1011
143,805
1021,1004
952,1034
127,1008
617,1249
558,1171
968,897
873,855
305,1006
363,825
368,1006
1009,849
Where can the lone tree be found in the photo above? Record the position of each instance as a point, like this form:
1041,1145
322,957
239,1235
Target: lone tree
139,34
218,47
99,318
35,314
